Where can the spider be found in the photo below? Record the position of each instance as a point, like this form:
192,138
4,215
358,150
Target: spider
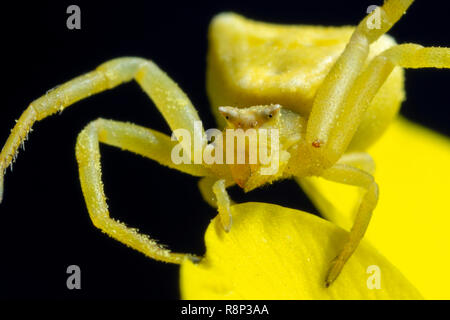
344,101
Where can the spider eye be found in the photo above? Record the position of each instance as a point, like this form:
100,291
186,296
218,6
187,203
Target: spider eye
227,117
270,115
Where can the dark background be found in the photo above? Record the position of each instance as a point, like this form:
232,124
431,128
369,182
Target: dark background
45,226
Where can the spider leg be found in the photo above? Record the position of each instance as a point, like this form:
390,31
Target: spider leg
372,78
339,106
170,100
337,86
223,203
215,194
205,186
347,174
360,160
143,141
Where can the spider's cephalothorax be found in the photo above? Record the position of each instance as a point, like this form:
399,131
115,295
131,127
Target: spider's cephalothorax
338,89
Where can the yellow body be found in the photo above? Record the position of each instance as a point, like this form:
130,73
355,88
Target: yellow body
330,92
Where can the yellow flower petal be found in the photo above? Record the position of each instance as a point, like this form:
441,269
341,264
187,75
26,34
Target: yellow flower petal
274,252
410,225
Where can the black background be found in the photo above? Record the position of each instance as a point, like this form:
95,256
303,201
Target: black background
45,226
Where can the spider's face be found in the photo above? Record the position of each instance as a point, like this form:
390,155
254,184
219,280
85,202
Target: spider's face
253,139
252,117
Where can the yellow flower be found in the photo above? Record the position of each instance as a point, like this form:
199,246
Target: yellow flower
274,252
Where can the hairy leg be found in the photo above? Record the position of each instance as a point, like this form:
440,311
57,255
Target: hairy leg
170,100
146,142
370,81
337,85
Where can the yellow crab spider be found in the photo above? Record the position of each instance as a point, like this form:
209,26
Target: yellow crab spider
314,134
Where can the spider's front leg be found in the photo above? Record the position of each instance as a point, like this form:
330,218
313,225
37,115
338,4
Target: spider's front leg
341,102
170,100
363,91
143,141
348,89
330,107
370,81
